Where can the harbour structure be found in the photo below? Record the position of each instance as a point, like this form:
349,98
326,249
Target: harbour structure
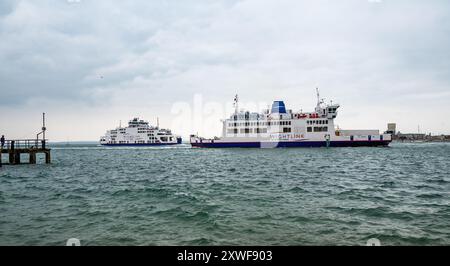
139,133
279,127
31,147
392,129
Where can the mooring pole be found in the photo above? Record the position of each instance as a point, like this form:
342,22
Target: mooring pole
43,130
11,152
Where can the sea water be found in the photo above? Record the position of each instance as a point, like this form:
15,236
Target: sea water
184,196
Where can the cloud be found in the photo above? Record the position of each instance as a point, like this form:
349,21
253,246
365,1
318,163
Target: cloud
125,56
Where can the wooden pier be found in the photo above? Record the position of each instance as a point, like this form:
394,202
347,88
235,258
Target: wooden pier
15,148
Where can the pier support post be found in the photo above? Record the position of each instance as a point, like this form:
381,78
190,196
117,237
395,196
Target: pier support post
32,158
17,157
11,152
11,157
47,157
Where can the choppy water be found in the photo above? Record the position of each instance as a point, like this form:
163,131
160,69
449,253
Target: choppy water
184,196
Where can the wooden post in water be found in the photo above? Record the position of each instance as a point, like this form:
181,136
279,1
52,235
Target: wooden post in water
32,157
17,157
47,157
11,152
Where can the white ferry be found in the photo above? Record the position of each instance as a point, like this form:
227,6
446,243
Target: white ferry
139,133
282,128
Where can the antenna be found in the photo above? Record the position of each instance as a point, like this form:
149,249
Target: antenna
120,123
157,122
318,96
236,104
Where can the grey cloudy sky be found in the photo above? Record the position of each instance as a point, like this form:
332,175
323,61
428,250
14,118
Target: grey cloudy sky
91,63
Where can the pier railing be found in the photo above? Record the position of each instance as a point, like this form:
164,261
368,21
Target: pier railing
29,144
15,148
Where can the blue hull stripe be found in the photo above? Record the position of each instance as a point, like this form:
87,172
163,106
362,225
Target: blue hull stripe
140,144
304,144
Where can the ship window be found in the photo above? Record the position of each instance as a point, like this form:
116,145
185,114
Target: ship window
233,131
287,130
261,130
309,129
320,129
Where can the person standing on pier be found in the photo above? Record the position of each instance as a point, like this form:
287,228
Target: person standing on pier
2,140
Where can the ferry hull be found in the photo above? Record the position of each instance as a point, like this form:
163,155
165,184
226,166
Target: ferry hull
302,144
179,141
140,145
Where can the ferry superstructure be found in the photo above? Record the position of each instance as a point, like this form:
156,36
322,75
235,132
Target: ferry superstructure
139,133
281,128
